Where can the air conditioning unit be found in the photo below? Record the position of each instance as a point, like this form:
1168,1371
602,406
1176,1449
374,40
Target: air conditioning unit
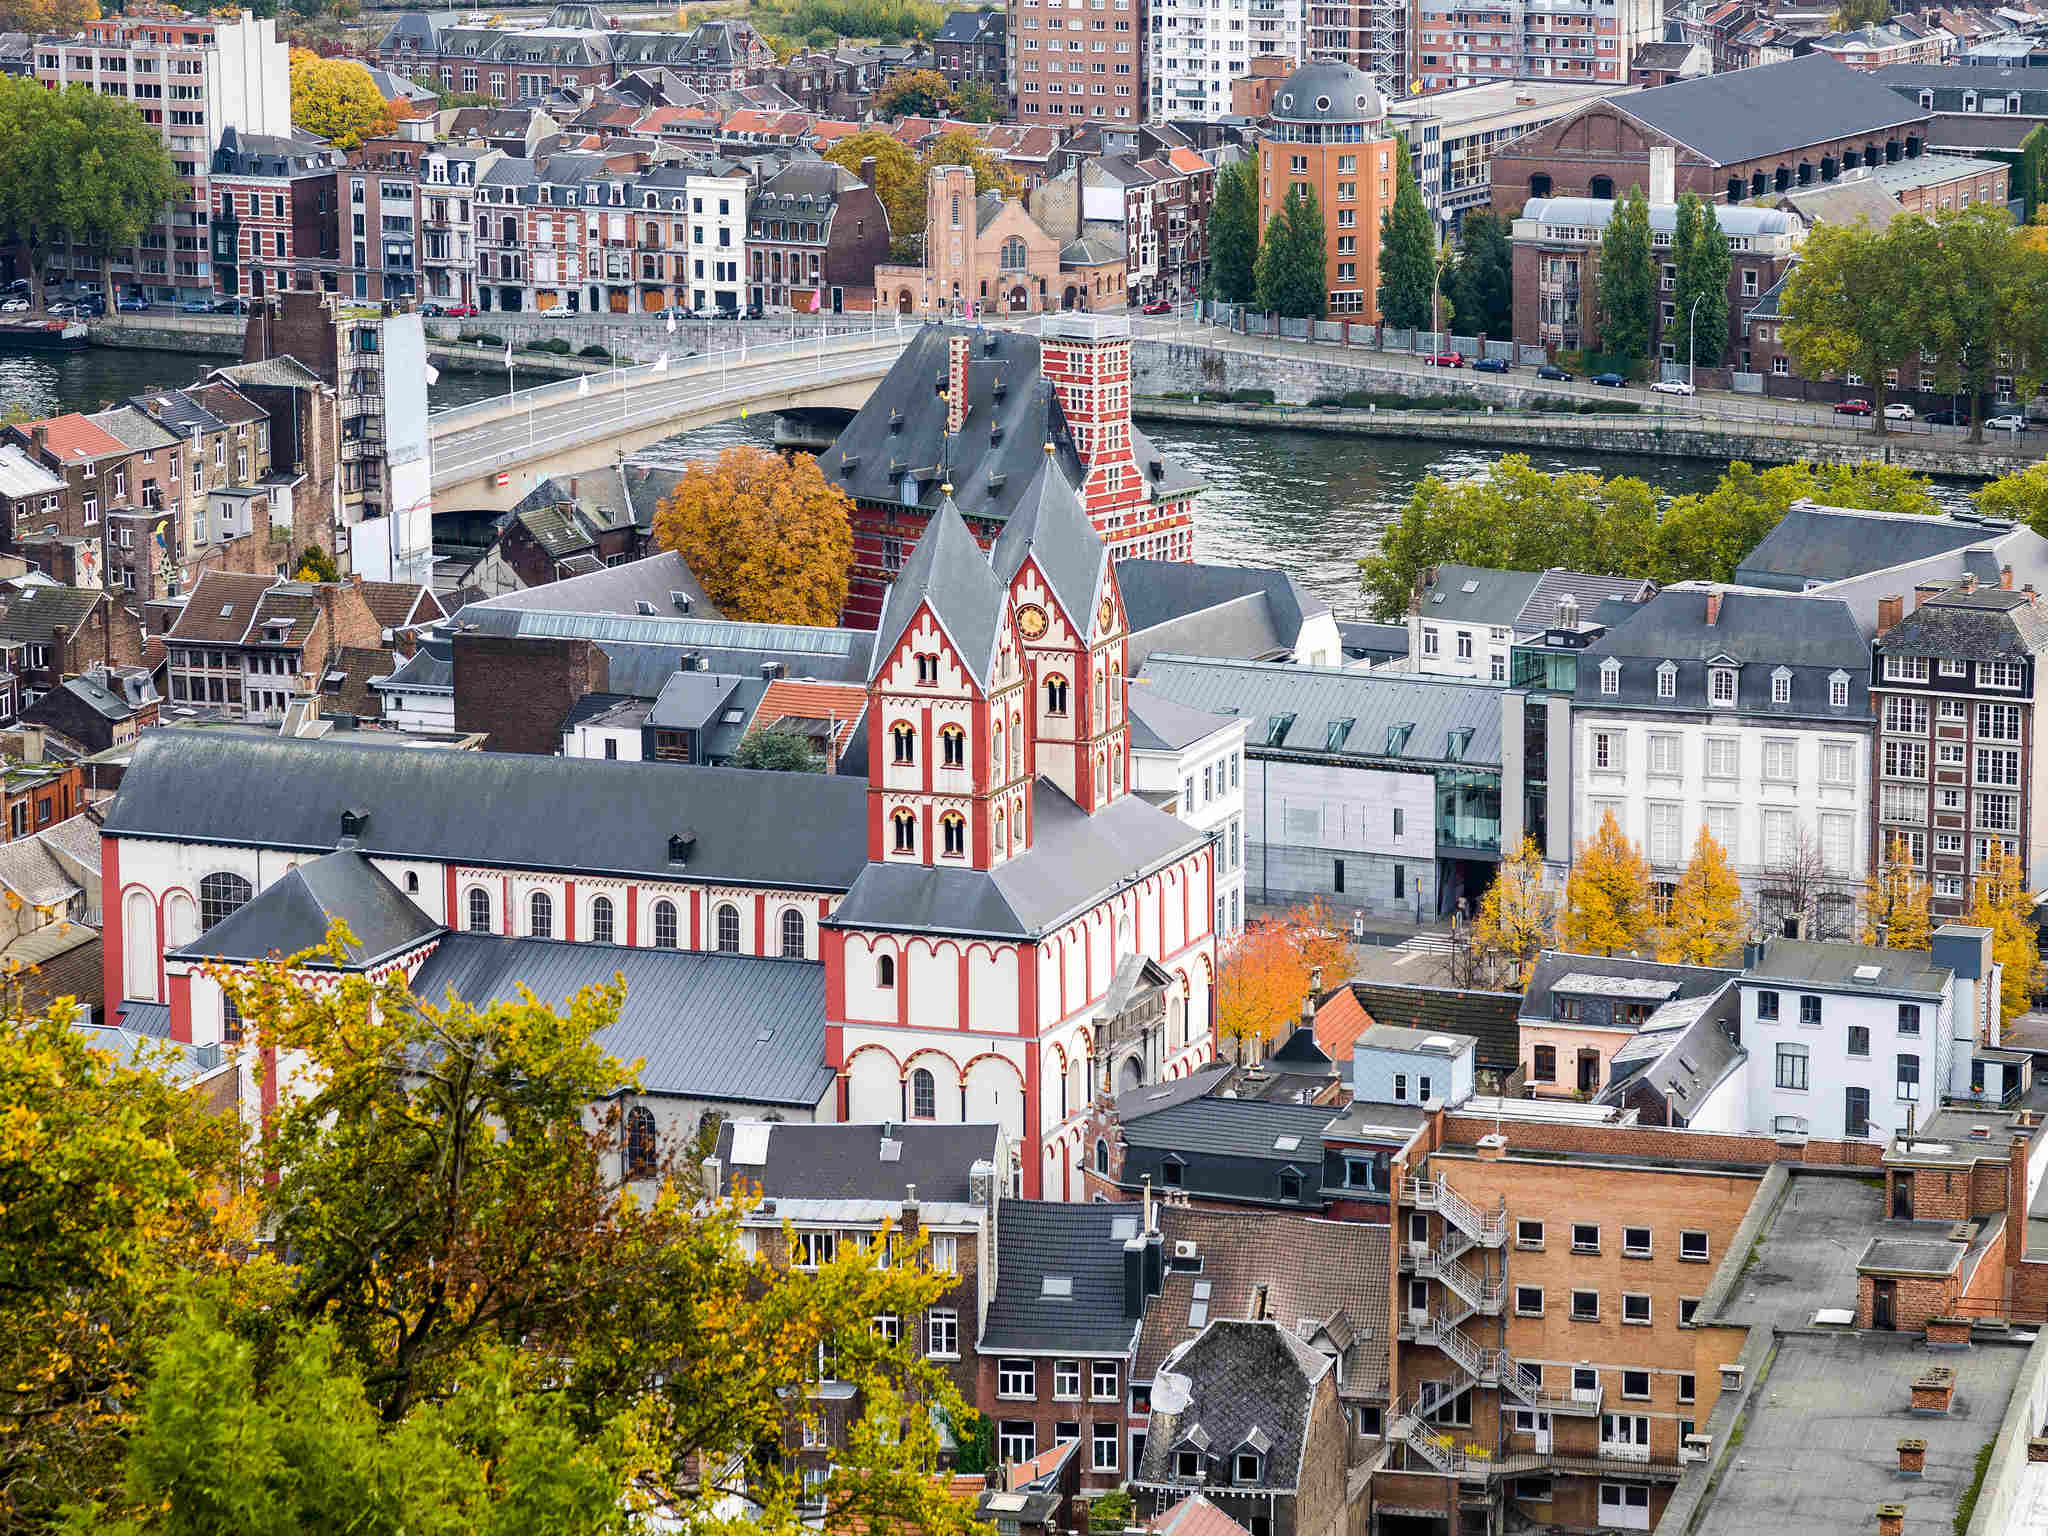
1184,1249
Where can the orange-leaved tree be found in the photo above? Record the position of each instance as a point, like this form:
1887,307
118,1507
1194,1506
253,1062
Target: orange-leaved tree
1607,900
1517,916
1896,902
1259,988
1706,919
768,538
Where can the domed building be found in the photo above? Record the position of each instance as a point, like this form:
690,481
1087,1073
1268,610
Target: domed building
1327,131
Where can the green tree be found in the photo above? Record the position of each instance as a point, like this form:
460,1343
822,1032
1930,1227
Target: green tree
779,751
914,93
315,564
1852,15
1292,268
1234,233
975,102
1700,253
1847,308
1625,280
1407,274
1516,518
2030,176
1704,536
122,182
957,146
2021,497
1482,281
40,157
1960,295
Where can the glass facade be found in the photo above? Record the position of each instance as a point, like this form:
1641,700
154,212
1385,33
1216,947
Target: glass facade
1468,809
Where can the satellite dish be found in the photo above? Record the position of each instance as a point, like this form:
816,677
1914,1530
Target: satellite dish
1171,1392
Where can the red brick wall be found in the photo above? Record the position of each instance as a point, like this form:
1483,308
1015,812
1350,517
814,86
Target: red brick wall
1704,1146
518,690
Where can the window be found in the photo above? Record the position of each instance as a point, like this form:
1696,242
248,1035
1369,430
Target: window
1905,669
904,826
1909,1018
1998,722
601,920
1721,687
1055,695
1102,1381
1017,1440
1909,1077
2001,674
903,741
1635,1308
540,913
1688,1385
1667,680
665,935
1585,1306
792,934
1528,1301
221,896
1809,1010
1635,1242
1585,1237
953,835
952,747
1529,1234
1856,1112
1859,1040
1187,1466
1665,756
1610,750
479,910
1723,760
640,1142
927,669
816,1248
1635,1383
1016,1378
230,1019
1781,760
1838,690
1102,1443
1246,1471
1792,1067
885,971
1066,1380
1610,677
942,1333
1544,1067
1837,763
1692,1247
1781,686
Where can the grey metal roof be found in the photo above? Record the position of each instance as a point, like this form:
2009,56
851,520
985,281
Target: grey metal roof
1334,712
1594,212
817,1161
1215,605
293,913
617,589
1804,961
1971,626
1683,1053
1328,92
1813,638
1247,1380
1812,543
1050,527
948,574
689,701
1746,114
97,697
1160,725
178,410
430,669
1473,594
824,655
1036,1238
1553,966
1074,859
782,830
1236,1128
736,1028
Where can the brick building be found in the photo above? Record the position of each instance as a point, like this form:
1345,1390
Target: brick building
63,631
275,210
216,487
526,66
1327,134
982,255
815,233
253,646
969,49
1732,137
1096,74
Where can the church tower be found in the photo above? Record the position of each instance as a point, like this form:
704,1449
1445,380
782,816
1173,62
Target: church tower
950,758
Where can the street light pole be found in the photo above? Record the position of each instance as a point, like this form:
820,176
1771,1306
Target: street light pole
1690,316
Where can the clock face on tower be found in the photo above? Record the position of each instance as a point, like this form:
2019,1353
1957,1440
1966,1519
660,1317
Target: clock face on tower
1106,615
1031,621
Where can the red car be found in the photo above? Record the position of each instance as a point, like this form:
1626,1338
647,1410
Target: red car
1159,307
1444,360
451,311
1853,408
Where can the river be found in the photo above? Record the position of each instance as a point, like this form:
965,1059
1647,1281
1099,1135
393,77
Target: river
1310,502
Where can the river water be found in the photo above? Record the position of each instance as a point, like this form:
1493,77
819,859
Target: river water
1309,502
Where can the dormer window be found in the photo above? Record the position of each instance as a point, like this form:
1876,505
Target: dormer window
1667,680
1838,690
1244,1469
1610,677
1721,687
1781,686
1187,1466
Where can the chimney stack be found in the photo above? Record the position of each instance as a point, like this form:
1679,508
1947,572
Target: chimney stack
1663,175
39,438
1969,581
1134,1277
958,349
867,171
1890,609
1713,608
2005,578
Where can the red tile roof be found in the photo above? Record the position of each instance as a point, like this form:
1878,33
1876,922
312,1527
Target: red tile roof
73,438
840,702
1339,1023
1186,161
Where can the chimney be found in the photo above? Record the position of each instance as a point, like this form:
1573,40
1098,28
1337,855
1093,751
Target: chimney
1134,1277
2005,578
31,744
1713,607
1663,175
910,1218
958,349
714,1173
1155,1262
1890,609
867,171
1969,581
39,438
1891,1519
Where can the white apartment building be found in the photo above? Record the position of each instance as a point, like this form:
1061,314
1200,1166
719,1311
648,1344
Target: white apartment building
718,241
1192,763
1195,48
1465,619
1742,713
193,77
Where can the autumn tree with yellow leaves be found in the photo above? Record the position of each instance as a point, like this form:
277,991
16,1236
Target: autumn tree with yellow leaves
1706,918
1269,972
2000,901
770,539
337,99
487,1313
1607,900
1517,916
1896,909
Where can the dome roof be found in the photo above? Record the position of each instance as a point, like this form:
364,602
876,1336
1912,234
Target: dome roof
1328,93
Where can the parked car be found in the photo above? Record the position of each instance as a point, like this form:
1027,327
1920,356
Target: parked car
1159,307
1898,410
1491,365
1610,381
133,305
2011,421
13,306
1444,360
755,312
1946,418
196,306
1671,387
64,309
1552,372
1852,408
19,285
231,306
93,304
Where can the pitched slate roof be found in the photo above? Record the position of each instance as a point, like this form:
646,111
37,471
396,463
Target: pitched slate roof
1160,725
1684,1052
1074,858
400,605
179,410
1202,610
1309,1269
1972,626
1812,543
1554,968
617,589
33,873
1489,1017
294,913
948,573
1050,527
34,610
135,428
1247,1380
1470,593
783,830
1085,1243
824,1161
703,1025
1746,114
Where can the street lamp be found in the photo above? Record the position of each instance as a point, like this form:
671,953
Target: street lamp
1690,316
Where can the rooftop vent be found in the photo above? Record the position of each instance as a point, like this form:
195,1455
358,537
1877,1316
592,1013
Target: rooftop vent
1470,586
1980,1133
1056,1285
1868,973
644,608
681,601
1286,1143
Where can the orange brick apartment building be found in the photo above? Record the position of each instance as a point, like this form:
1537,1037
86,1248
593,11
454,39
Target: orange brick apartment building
1328,133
